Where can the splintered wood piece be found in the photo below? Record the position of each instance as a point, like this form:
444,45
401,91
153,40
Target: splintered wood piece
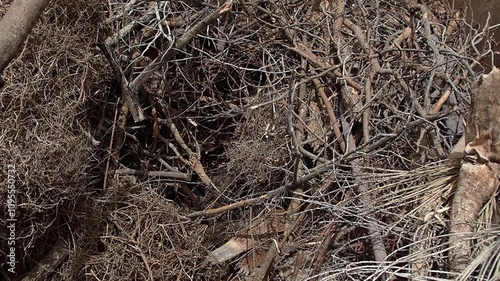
262,227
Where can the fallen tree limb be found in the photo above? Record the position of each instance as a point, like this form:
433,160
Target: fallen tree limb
479,176
15,27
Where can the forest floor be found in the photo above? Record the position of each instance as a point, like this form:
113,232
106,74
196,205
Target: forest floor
243,140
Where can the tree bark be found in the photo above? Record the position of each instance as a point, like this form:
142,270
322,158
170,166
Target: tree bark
15,27
478,178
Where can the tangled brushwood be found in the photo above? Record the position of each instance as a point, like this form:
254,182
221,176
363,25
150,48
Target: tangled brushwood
248,140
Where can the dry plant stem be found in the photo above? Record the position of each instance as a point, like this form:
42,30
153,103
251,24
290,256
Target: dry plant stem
303,126
130,90
291,218
49,264
129,6
356,165
405,34
326,167
178,45
367,148
375,68
437,106
130,96
439,61
329,234
306,52
331,114
422,263
319,170
325,246
299,260
125,31
374,229
260,273
117,137
194,158
15,27
358,32
340,5
159,174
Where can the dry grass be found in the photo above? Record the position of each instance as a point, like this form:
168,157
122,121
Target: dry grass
43,113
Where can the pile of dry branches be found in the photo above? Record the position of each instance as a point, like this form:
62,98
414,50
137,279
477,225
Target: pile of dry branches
261,140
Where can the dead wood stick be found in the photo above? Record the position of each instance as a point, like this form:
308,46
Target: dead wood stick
339,17
304,51
126,30
325,246
160,174
291,222
358,32
130,90
331,114
194,158
476,184
299,260
303,126
129,95
439,58
319,170
444,97
294,206
48,265
117,136
396,42
478,180
328,236
179,44
374,228
15,27
124,11
375,68
367,148
300,125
